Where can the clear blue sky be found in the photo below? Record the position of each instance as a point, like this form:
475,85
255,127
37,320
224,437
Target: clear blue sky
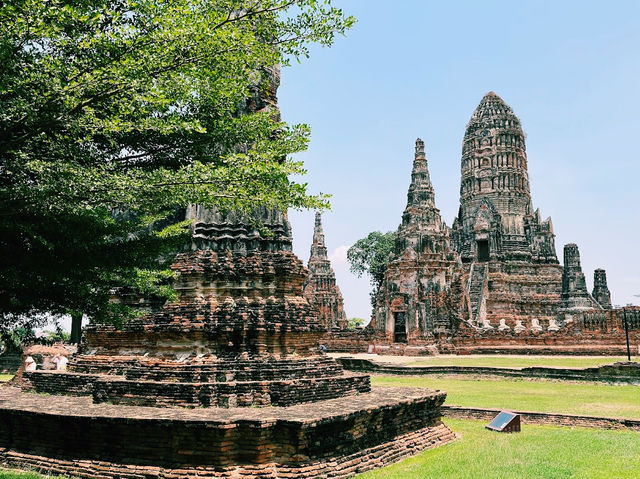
571,72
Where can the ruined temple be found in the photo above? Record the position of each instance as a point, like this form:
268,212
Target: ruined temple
575,296
226,381
600,289
321,289
415,297
493,278
508,252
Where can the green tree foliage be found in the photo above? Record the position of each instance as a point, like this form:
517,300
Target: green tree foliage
354,323
371,255
138,107
11,340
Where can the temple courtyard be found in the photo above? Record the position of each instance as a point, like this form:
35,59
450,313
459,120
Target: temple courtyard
543,448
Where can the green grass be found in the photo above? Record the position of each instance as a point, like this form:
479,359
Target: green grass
538,452
5,377
14,474
545,396
516,361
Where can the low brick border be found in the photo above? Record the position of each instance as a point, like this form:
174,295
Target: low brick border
608,373
553,419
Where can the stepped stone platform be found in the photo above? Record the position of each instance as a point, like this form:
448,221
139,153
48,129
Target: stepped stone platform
190,386
332,438
226,381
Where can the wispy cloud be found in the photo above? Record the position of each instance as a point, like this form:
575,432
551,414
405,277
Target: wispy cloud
339,255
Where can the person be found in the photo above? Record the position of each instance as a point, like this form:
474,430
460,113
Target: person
60,361
30,364
323,348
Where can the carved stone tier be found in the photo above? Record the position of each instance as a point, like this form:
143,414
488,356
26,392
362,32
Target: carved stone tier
241,334
333,438
229,304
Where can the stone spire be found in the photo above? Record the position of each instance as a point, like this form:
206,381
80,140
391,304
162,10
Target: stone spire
414,294
495,200
574,286
494,164
420,190
321,288
600,289
421,207
318,248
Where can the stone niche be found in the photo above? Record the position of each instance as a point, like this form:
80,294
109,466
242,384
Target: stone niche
228,381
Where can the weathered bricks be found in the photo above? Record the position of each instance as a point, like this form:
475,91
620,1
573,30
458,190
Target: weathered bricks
333,437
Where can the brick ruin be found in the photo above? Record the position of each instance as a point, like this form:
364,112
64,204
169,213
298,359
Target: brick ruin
321,288
492,281
227,381
417,289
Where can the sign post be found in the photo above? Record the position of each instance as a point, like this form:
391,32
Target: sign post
506,421
626,332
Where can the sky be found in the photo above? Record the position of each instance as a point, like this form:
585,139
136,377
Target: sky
409,69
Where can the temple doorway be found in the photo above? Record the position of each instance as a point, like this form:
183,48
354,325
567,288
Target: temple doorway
399,327
483,250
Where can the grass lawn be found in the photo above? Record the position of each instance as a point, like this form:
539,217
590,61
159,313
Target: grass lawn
516,361
538,452
4,378
13,474
546,396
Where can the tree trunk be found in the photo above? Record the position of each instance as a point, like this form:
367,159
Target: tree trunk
76,327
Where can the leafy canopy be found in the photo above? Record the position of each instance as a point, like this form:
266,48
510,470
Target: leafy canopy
138,107
354,323
371,255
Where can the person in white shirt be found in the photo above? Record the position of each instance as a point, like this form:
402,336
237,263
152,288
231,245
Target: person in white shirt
61,362
30,364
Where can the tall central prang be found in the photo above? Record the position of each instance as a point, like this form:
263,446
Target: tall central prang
496,219
508,252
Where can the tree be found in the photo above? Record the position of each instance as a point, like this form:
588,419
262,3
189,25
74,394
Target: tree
116,113
354,323
371,255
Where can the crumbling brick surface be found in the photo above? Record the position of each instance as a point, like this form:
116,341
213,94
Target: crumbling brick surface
71,435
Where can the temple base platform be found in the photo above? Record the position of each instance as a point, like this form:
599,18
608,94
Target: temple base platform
334,438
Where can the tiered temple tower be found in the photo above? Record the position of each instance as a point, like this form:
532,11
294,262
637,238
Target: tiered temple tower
600,289
416,296
575,296
241,335
496,218
508,251
321,289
